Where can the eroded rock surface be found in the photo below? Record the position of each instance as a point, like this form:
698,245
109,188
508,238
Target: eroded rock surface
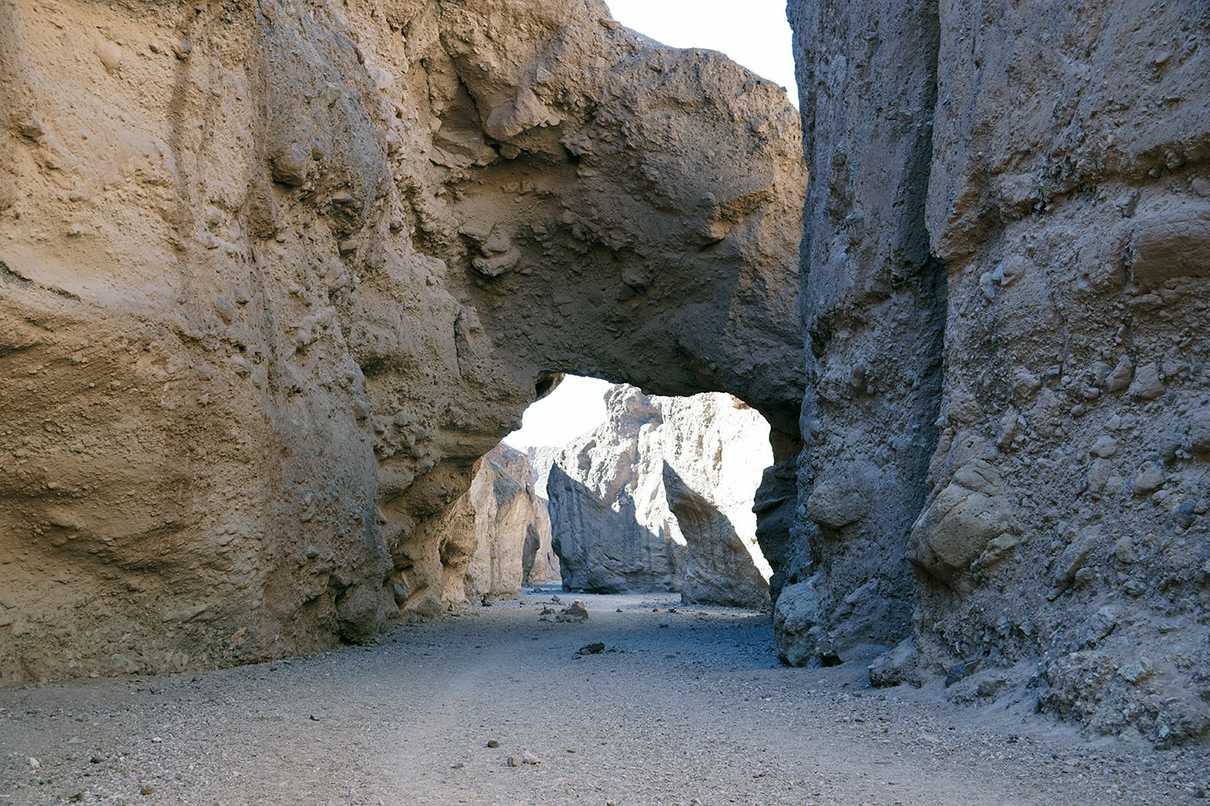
273,276
511,529
1028,179
659,498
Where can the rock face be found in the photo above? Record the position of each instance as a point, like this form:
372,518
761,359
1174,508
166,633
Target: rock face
541,563
511,527
1006,280
273,278
496,536
659,498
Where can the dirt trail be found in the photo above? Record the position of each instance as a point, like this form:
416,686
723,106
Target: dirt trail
683,707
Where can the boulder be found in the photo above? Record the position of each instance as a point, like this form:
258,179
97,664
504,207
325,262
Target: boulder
896,666
797,624
839,500
957,525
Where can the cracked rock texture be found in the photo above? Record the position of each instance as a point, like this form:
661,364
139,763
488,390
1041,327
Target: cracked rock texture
660,497
1006,276
274,275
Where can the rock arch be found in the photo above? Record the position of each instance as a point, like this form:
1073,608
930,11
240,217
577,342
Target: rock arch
277,276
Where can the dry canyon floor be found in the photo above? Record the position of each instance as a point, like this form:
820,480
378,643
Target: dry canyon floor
685,705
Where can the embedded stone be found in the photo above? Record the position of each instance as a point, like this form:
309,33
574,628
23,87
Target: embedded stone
838,502
1149,479
1147,384
1119,379
960,522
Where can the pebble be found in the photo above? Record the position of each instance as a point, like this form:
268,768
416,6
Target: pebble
576,611
525,758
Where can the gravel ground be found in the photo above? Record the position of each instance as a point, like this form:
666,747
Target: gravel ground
685,705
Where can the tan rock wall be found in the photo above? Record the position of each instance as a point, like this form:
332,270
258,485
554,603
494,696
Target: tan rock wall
512,528
273,276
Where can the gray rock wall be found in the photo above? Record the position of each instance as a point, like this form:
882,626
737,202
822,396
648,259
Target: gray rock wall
874,307
1033,175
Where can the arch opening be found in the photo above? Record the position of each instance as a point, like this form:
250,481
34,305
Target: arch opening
607,490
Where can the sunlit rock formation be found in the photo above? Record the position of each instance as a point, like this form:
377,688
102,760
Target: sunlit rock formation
512,527
659,498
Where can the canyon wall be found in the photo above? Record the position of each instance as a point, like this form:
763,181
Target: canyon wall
659,497
273,277
493,539
1006,275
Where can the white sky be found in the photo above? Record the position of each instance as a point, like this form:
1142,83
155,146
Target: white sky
755,34
575,407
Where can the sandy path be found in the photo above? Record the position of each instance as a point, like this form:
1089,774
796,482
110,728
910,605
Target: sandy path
693,709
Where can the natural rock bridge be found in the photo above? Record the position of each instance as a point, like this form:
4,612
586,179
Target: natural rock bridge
277,277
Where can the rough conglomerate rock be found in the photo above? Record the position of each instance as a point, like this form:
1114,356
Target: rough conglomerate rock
274,275
1006,284
659,498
